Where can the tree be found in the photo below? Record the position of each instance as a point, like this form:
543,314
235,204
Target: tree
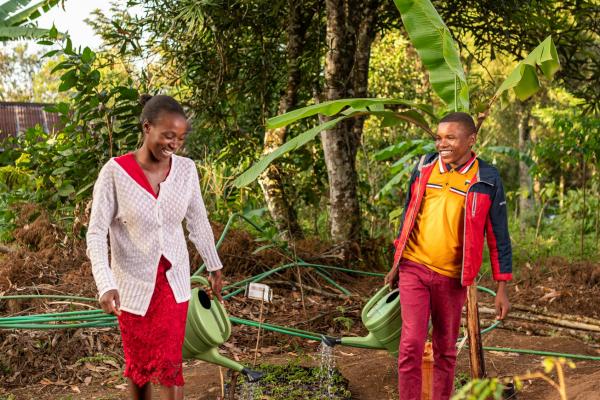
26,76
525,181
16,18
350,32
439,53
271,180
515,26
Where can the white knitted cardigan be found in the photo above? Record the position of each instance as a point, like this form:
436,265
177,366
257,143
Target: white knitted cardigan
142,228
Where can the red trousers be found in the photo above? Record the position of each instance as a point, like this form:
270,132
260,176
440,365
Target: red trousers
424,292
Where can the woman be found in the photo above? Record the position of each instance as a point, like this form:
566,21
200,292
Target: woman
140,200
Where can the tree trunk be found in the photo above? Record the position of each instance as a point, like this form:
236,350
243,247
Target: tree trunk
349,37
360,71
271,181
525,182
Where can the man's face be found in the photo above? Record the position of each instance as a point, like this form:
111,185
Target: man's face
454,141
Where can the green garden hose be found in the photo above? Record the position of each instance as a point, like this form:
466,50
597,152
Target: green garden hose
96,318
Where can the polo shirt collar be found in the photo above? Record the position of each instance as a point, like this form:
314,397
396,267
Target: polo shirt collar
463,169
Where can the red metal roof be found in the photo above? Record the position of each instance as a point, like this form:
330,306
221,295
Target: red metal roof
18,117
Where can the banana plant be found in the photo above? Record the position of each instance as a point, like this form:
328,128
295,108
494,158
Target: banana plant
439,53
16,17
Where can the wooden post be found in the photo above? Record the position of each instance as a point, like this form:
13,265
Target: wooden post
427,373
474,334
260,321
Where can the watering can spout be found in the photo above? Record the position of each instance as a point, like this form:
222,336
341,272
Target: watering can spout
381,316
330,340
251,375
366,342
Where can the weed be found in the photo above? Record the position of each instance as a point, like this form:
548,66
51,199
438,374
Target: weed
294,382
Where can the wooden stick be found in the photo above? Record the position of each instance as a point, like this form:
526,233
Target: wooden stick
222,383
260,321
474,333
532,329
540,311
544,319
301,291
310,289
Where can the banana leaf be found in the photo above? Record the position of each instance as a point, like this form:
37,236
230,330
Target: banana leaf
397,149
29,13
438,51
257,168
10,7
524,79
16,32
333,107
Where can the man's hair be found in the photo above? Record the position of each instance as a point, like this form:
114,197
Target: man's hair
462,118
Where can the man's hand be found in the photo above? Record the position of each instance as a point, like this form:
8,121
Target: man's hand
216,284
110,302
392,278
502,304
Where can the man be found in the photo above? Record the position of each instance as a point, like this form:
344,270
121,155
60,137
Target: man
454,201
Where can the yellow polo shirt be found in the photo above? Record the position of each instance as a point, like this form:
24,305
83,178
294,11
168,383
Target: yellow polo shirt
436,240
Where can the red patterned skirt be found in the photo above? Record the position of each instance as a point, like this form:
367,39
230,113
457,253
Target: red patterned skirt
152,344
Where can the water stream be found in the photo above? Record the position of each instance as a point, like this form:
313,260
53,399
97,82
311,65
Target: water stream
326,371
248,390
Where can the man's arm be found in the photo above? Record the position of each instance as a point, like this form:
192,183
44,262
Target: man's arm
500,249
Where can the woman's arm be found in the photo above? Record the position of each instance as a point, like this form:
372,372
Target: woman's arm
201,233
102,214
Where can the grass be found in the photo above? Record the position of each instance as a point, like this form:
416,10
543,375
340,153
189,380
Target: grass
295,382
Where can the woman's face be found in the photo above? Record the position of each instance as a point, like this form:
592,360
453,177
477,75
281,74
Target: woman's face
166,135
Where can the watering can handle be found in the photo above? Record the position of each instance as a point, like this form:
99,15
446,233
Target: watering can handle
201,280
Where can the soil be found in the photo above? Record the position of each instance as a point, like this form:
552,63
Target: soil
87,363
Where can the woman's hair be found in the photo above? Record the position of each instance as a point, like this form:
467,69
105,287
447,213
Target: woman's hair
153,106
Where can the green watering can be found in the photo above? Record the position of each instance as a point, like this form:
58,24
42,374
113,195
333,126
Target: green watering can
207,327
381,316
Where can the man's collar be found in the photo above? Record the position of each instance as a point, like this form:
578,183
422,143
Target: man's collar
463,169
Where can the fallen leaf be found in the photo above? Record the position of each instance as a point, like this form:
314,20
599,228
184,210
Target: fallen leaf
112,363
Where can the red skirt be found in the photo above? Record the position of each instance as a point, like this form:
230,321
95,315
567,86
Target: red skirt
152,344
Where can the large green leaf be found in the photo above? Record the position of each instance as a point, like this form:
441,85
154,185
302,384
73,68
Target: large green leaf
10,7
333,107
15,17
255,170
523,79
31,12
433,41
17,32
399,149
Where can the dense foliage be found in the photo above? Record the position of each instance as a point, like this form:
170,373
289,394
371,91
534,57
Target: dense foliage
229,69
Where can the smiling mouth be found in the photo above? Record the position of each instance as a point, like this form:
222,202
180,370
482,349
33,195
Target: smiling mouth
445,153
167,152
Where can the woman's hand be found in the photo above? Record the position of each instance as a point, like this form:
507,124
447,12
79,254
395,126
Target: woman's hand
216,284
110,302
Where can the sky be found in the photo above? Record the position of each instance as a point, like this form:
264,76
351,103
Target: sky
71,20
